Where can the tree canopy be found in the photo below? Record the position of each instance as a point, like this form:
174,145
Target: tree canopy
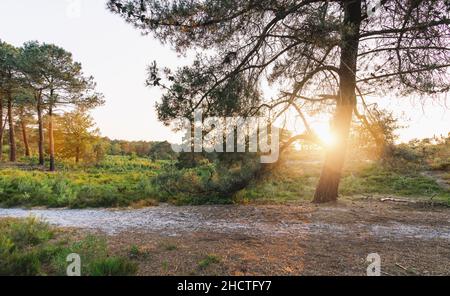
40,79
321,55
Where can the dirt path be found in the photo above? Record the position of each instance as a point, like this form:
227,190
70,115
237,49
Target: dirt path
289,239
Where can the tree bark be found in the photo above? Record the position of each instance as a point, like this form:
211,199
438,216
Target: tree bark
25,137
328,188
1,128
12,136
51,142
40,131
77,155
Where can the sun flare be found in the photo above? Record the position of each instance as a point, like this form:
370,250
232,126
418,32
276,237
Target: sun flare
326,136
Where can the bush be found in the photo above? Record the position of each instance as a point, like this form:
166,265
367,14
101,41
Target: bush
31,233
22,246
28,248
208,183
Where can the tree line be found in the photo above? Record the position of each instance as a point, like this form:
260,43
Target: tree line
38,83
45,100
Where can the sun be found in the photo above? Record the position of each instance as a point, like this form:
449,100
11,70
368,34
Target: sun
298,146
327,136
329,139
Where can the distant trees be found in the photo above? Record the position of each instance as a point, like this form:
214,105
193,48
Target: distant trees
154,150
36,81
324,56
77,135
161,150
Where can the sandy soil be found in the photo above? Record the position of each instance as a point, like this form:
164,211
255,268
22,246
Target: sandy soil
296,239
334,240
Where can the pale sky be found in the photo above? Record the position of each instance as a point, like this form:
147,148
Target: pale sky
117,55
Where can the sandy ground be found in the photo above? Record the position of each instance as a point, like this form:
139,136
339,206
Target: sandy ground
296,239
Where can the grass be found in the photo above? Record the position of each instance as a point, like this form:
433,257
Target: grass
117,182
382,180
209,260
138,182
297,182
168,246
135,251
32,248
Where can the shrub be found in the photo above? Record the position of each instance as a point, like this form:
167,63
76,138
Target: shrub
30,233
209,183
28,248
209,260
113,266
120,185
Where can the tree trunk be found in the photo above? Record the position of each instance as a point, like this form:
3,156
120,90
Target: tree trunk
12,136
40,131
77,155
25,138
1,128
328,187
51,142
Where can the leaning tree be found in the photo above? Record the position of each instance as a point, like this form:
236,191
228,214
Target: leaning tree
322,55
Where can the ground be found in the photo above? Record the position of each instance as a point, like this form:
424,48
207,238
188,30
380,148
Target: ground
400,212
292,239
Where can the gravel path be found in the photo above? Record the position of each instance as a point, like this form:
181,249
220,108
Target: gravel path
268,221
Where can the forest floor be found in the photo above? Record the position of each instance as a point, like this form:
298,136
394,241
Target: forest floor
412,238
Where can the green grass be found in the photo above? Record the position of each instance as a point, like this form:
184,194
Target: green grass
208,261
134,251
32,248
113,266
287,183
298,182
117,182
383,180
138,182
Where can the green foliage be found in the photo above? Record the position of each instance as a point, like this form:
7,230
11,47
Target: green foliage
390,180
113,266
77,138
209,260
119,164
95,259
296,181
154,150
115,182
283,185
28,247
30,233
134,251
208,183
41,62
120,181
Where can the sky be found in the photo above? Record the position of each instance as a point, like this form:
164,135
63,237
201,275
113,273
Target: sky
117,55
